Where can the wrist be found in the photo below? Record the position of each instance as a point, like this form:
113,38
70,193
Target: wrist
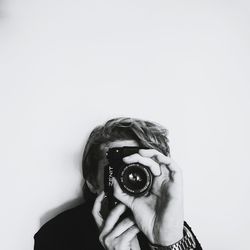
185,243
171,238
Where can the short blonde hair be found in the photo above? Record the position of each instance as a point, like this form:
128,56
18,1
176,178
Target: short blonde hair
146,133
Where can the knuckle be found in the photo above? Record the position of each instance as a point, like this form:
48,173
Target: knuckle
127,221
101,239
154,151
136,156
107,241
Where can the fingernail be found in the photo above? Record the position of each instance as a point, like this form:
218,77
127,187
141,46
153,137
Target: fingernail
125,158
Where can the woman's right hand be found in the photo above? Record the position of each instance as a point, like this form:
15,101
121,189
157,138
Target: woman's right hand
113,235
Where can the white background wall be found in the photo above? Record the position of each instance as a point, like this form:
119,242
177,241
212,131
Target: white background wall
67,66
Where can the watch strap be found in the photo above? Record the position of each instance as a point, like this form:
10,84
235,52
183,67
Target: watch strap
186,243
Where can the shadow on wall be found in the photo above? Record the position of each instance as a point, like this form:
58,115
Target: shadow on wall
55,211
65,206
69,204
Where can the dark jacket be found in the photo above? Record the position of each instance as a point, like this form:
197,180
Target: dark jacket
75,229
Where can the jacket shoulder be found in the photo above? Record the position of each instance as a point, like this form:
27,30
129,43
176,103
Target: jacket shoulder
71,226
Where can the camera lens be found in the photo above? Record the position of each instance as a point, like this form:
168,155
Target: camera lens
135,179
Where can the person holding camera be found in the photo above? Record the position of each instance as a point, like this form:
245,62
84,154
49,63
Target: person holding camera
133,194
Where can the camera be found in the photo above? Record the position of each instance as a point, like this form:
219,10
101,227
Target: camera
134,179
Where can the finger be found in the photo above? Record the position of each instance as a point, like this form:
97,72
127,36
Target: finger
121,196
137,158
112,219
175,172
96,209
121,227
160,157
122,241
129,234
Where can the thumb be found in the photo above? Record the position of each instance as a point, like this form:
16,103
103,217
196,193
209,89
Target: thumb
121,196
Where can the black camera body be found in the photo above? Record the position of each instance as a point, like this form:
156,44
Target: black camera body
134,179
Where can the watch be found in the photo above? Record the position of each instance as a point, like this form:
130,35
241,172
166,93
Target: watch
186,243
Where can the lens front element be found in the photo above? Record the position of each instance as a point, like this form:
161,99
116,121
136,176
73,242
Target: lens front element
135,179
